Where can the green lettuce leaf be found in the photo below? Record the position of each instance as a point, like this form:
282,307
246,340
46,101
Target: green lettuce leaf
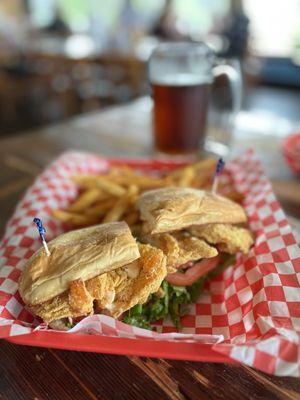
138,321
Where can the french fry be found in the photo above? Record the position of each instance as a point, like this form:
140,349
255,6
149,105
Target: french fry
110,187
127,177
174,175
85,181
146,183
99,181
203,165
116,213
202,178
186,177
206,164
143,182
121,171
85,200
74,219
100,209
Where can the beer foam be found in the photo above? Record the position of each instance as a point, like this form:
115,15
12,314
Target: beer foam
181,79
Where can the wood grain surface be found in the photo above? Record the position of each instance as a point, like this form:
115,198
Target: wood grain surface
38,374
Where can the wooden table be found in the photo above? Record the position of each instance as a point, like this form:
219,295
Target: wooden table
35,373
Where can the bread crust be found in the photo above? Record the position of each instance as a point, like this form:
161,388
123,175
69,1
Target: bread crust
171,209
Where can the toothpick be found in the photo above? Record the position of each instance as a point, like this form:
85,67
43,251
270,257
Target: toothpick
42,232
219,168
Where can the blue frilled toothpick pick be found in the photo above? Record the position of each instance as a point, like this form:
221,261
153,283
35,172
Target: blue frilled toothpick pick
42,232
219,168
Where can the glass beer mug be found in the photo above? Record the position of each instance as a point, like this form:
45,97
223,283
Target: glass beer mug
181,75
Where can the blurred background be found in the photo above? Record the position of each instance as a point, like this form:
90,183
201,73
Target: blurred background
60,58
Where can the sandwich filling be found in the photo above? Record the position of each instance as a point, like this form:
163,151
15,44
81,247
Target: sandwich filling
193,256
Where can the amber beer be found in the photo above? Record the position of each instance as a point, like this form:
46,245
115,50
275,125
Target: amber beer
180,113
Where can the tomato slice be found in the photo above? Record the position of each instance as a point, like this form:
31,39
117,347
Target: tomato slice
194,273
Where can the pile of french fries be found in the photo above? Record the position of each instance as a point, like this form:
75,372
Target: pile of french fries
112,196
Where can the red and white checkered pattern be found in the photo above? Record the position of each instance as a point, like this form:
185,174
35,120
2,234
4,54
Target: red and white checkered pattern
251,312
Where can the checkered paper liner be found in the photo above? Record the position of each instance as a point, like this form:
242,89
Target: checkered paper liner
251,312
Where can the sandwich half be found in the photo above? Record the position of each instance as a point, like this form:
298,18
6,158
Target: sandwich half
101,269
200,234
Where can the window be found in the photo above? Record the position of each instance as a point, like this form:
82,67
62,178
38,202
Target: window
275,26
195,16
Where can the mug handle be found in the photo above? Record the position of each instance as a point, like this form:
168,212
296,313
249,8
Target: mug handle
235,84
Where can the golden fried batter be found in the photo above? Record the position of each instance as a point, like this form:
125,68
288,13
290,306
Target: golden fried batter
114,292
152,271
53,309
181,247
80,300
230,239
102,287
73,303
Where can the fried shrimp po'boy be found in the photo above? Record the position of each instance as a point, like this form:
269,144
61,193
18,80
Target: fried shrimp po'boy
199,232
100,269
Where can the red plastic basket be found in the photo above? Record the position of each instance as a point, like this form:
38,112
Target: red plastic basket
124,346
121,346
291,152
253,320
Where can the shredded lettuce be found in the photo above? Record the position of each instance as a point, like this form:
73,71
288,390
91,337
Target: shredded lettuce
135,317
69,324
175,301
